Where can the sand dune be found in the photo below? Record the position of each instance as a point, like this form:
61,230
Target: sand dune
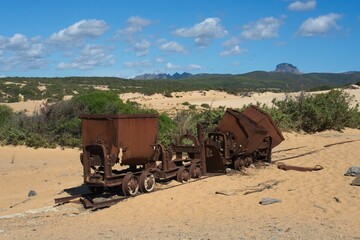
315,205
214,99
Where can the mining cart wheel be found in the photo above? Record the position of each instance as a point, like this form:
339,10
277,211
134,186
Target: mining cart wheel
248,161
147,182
96,190
238,164
130,185
183,175
195,170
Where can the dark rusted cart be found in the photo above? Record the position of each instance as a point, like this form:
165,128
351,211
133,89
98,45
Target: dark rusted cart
240,139
130,140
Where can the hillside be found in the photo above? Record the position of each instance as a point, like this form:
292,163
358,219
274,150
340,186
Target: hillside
14,89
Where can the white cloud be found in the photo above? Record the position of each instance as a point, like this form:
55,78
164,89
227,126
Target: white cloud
203,32
263,28
232,42
89,28
161,40
137,64
235,50
302,6
194,67
138,22
3,41
159,59
91,56
171,66
17,42
130,35
142,47
36,50
21,53
320,25
172,47
135,24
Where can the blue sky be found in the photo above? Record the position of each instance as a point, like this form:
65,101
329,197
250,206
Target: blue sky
45,38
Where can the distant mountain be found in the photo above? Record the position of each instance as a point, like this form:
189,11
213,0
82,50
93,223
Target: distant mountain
286,77
154,76
287,68
149,76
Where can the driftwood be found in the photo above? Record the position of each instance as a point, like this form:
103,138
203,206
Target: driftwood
258,188
226,192
14,205
297,168
262,186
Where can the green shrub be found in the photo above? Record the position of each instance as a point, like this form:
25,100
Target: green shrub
36,140
31,91
168,94
209,118
192,107
320,88
6,114
186,104
312,113
97,102
12,136
67,139
166,129
205,105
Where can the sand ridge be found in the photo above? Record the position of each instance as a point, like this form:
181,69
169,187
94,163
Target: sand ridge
171,105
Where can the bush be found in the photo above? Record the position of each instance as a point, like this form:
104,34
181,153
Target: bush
186,104
168,94
36,140
6,114
205,105
192,107
188,120
98,102
166,129
312,113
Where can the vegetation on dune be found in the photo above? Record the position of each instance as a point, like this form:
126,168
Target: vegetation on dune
59,124
54,89
315,113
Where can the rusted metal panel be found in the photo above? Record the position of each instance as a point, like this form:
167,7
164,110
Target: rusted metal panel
97,129
134,134
265,121
248,134
137,138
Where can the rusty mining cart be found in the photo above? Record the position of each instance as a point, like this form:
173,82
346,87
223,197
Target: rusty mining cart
122,151
240,139
111,142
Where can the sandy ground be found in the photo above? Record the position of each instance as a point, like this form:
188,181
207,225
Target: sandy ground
314,205
214,99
